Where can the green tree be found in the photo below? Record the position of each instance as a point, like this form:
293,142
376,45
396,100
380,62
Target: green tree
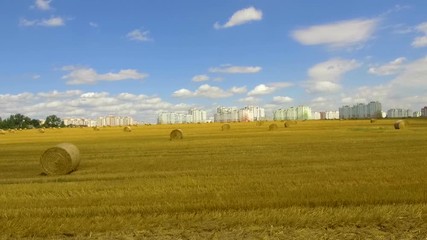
53,121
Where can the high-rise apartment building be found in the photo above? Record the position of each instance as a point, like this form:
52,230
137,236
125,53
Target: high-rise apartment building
360,111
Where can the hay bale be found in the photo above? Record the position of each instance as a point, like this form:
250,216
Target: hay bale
225,127
127,129
259,123
287,124
273,127
2,132
373,120
12,130
61,159
41,130
96,128
176,134
399,124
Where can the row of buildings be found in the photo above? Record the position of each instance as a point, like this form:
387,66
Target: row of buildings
293,113
100,122
193,116
246,114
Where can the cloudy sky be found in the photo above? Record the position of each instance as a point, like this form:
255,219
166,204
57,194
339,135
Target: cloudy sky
77,58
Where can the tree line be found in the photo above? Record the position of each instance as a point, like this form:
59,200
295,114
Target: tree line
19,121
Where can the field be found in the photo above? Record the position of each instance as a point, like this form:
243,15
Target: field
348,179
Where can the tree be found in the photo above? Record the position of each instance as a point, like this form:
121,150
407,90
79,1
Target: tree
53,121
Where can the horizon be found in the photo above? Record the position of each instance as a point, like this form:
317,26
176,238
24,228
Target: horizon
92,59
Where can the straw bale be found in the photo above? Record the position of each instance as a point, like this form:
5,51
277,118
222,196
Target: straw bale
96,128
176,134
41,130
61,159
225,127
373,120
2,132
273,127
127,129
399,124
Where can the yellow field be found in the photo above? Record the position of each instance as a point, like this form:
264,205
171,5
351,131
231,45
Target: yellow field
313,180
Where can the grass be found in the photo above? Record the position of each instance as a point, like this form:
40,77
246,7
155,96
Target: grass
347,179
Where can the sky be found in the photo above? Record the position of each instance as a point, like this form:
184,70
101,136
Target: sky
86,59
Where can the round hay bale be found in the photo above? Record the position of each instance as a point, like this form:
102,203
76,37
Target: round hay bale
287,124
259,123
2,132
225,127
176,134
399,124
61,159
41,130
96,128
127,129
273,127
373,120
12,130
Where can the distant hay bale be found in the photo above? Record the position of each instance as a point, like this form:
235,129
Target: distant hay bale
41,130
12,130
2,132
287,124
399,124
96,128
273,127
127,129
61,159
225,127
373,120
176,134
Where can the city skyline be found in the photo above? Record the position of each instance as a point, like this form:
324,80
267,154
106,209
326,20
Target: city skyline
141,58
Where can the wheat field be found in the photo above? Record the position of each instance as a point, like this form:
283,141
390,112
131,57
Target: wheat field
349,179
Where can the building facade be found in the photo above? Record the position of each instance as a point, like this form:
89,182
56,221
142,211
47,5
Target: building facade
360,111
293,113
424,112
246,114
399,113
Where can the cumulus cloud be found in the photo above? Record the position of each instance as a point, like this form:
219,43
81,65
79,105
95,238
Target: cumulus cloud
43,4
84,75
390,68
235,69
76,103
241,17
200,78
421,41
50,22
325,76
208,91
138,35
337,35
264,89
282,99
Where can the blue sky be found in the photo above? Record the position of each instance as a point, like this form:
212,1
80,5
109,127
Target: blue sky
76,58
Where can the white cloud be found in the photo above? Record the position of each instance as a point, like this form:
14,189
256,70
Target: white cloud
51,22
249,100
235,69
241,17
83,75
43,4
338,34
238,90
390,68
208,91
138,35
282,99
325,76
421,41
200,78
183,93
75,103
261,89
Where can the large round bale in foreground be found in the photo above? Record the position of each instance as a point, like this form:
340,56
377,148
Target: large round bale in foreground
225,127
399,124
273,127
176,134
61,159
127,129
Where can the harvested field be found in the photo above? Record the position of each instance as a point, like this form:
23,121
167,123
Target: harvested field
321,180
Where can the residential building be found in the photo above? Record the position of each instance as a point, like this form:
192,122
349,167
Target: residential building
246,114
360,111
399,113
424,112
292,113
